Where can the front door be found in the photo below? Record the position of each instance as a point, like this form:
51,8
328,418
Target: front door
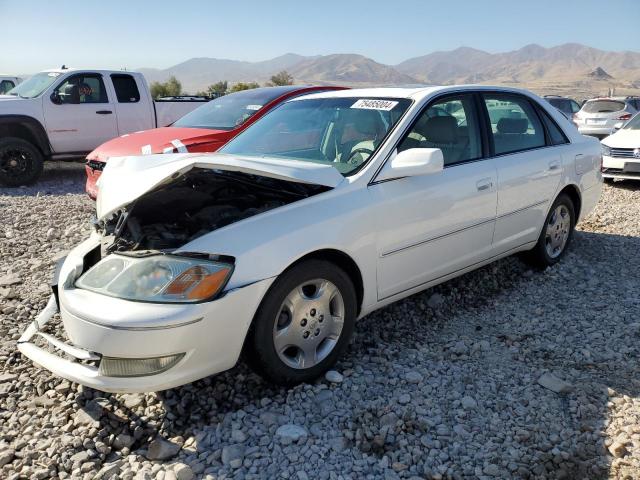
79,116
434,225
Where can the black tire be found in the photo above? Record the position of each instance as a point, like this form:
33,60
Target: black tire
608,180
539,257
21,162
260,350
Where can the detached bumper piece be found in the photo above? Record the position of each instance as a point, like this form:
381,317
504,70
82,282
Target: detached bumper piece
69,369
83,366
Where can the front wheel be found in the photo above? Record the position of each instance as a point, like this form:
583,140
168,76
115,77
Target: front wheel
303,324
21,163
556,234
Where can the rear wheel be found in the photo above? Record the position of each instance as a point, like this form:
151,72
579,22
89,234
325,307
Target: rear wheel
21,163
303,324
556,234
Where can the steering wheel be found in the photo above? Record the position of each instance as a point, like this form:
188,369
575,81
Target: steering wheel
363,150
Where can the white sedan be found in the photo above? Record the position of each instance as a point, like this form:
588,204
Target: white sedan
330,207
621,152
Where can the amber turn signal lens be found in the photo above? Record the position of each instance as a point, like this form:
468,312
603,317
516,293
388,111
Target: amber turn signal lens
198,283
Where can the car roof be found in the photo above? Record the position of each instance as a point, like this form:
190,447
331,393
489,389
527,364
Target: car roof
413,93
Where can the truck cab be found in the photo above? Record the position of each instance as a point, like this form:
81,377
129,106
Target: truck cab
66,113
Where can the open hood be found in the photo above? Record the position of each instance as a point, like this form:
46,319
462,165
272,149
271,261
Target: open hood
126,178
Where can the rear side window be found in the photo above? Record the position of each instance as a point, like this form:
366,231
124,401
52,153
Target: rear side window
556,135
126,88
603,106
5,86
515,126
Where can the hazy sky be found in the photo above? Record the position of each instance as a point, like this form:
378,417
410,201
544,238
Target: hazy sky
38,34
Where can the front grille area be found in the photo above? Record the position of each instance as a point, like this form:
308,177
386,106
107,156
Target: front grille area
95,165
623,152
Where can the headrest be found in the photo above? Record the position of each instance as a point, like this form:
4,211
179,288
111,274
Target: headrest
439,129
513,125
366,122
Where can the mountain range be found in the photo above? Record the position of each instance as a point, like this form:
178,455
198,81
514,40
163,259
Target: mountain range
570,66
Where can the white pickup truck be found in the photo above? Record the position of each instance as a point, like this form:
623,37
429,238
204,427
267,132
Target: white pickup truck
7,82
66,113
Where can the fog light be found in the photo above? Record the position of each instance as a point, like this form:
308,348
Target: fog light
137,367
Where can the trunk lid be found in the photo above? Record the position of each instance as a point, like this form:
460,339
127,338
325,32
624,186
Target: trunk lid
126,178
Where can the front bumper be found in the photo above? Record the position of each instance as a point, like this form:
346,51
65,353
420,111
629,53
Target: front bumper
210,335
622,168
93,168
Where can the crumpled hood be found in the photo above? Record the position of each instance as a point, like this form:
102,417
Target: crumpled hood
157,140
126,178
624,138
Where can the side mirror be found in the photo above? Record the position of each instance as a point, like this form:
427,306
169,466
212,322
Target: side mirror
55,98
412,163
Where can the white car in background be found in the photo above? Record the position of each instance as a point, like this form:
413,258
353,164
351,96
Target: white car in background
326,209
599,117
7,82
621,152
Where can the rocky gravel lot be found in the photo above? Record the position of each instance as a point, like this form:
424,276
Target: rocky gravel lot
502,373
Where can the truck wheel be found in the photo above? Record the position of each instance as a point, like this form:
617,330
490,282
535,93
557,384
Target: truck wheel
21,163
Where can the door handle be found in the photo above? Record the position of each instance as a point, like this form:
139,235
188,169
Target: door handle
554,165
104,112
484,184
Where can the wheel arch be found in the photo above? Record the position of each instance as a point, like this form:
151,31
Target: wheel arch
26,128
573,192
342,260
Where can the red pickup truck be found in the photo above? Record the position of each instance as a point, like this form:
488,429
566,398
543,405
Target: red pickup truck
205,129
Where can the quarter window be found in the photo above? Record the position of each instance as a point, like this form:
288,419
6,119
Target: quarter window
514,124
5,86
126,88
556,136
450,124
88,88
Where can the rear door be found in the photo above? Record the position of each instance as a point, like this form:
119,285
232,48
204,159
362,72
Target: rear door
529,168
433,225
82,117
134,113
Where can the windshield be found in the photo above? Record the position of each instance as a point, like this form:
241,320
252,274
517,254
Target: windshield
342,132
229,111
633,124
35,85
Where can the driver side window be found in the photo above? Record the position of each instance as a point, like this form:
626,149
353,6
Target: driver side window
450,124
88,88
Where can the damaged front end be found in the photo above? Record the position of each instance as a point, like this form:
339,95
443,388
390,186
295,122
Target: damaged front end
137,311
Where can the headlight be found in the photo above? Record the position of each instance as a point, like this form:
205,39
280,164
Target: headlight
606,151
157,278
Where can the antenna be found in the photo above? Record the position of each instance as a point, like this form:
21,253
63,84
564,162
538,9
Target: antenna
63,67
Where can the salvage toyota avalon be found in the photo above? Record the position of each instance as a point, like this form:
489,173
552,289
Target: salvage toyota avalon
329,207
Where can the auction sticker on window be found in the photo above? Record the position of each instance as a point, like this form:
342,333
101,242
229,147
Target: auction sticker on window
253,107
370,104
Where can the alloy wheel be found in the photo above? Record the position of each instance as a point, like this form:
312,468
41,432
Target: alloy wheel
309,323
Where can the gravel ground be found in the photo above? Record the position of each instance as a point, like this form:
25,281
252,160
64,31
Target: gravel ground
502,373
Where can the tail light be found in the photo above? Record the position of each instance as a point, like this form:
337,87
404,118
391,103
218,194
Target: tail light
625,116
